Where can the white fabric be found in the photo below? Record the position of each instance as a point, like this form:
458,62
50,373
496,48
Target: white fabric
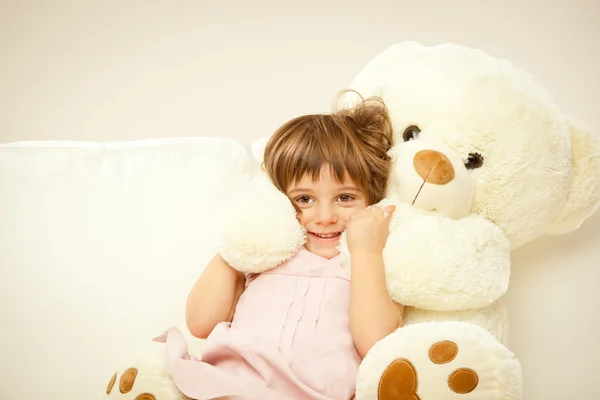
99,246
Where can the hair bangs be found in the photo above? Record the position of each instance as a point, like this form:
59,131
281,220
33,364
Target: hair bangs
352,143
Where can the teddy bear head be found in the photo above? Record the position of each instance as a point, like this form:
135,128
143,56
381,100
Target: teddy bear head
477,134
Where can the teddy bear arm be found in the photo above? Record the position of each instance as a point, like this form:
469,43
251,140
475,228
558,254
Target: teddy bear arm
259,229
442,264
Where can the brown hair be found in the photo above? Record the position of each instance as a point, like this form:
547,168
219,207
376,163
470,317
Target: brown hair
352,140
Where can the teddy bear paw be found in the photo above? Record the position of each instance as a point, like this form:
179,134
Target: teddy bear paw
399,380
438,361
126,382
143,376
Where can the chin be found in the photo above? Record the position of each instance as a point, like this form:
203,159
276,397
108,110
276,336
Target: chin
328,253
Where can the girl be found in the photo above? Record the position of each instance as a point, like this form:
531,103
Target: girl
300,330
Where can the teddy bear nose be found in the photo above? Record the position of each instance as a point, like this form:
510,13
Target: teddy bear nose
434,167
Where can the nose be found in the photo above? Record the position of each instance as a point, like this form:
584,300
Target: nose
434,167
326,214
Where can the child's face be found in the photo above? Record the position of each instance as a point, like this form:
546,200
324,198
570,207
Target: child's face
325,208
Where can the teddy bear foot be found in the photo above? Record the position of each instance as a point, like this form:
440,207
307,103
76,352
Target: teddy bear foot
438,361
143,376
126,382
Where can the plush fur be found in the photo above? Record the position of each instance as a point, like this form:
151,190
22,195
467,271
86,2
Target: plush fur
268,246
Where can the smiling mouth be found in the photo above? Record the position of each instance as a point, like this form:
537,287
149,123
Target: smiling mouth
333,235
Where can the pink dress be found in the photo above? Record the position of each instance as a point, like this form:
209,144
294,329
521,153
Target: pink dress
290,339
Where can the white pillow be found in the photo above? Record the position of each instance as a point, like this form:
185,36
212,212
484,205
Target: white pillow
99,247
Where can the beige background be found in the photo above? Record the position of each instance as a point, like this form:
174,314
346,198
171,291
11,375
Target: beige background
121,70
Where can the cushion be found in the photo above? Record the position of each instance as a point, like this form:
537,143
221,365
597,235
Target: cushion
100,244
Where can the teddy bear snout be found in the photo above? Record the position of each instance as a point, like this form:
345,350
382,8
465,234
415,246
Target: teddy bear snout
434,167
431,176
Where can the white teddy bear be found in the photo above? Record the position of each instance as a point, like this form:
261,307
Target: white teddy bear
484,163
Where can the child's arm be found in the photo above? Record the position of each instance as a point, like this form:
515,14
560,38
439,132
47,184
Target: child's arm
373,314
214,297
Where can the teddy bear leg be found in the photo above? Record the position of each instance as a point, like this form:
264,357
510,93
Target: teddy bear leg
143,376
439,361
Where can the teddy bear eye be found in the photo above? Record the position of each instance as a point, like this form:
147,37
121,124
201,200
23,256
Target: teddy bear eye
410,133
474,161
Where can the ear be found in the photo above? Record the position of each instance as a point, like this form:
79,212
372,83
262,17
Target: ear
584,198
258,148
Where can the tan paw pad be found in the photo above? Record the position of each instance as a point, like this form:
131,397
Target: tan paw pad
463,381
127,380
398,382
443,352
111,383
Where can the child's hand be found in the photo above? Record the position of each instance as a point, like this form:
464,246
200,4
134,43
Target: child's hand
368,230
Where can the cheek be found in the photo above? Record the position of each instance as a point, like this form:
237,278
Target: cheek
303,217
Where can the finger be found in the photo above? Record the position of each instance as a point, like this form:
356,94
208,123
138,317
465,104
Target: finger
354,217
377,212
360,214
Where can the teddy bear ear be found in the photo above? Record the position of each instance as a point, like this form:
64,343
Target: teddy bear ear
393,154
258,148
584,198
